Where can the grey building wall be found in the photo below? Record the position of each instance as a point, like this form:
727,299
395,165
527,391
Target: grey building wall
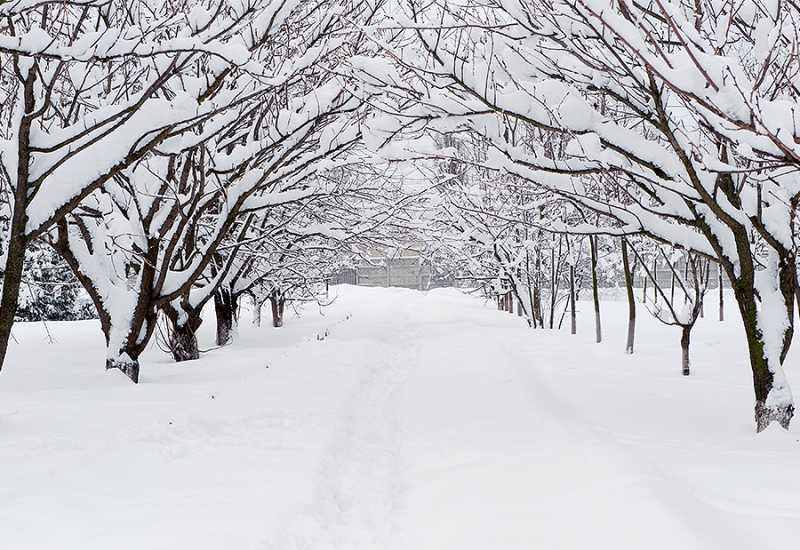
405,272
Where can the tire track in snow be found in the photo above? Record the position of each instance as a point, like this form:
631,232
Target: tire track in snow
359,488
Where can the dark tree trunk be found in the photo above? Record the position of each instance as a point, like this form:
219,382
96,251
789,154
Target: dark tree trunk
12,279
257,305
797,295
126,357
631,300
225,309
553,281
17,242
598,329
655,279
573,316
532,321
129,366
644,288
537,291
121,353
721,296
183,343
672,288
277,304
686,278
766,412
762,376
685,340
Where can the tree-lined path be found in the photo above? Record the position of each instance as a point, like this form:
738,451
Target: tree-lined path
422,420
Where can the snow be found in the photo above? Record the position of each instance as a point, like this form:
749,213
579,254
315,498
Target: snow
422,421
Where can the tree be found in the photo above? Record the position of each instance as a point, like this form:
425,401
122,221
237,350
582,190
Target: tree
679,114
89,97
163,220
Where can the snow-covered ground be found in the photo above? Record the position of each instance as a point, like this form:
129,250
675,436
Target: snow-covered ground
422,421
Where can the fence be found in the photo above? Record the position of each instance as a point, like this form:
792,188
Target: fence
408,272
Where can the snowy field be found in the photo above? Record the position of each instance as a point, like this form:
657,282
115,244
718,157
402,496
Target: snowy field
422,421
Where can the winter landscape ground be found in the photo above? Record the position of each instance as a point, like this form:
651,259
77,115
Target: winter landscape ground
423,420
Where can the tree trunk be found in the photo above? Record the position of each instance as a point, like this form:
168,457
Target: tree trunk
672,288
598,330
537,290
685,340
276,303
17,242
655,279
721,296
767,410
572,313
553,277
257,305
529,286
644,286
12,279
257,313
686,278
797,295
183,343
123,353
127,364
631,300
225,309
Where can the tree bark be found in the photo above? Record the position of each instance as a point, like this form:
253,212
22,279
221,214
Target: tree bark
225,309
766,412
183,343
257,305
17,242
721,296
655,279
12,279
127,364
644,289
572,313
685,340
553,281
537,290
598,329
277,304
631,300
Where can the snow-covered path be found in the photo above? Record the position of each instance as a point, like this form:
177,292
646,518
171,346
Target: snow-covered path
421,421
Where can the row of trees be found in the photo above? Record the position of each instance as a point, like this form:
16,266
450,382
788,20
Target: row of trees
672,119
175,154
516,243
